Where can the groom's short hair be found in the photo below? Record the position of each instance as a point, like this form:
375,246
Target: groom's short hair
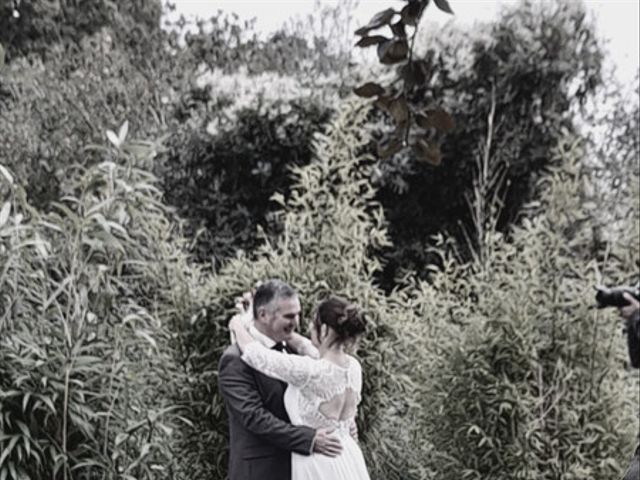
269,291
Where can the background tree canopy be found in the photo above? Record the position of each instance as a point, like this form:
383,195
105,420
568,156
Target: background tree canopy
149,175
28,27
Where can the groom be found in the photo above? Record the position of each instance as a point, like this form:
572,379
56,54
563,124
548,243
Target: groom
261,436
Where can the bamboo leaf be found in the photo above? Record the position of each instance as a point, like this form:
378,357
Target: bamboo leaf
113,138
122,133
4,213
147,337
8,449
48,402
120,438
25,401
5,173
57,292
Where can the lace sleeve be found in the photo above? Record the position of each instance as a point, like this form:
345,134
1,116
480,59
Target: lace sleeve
293,369
355,378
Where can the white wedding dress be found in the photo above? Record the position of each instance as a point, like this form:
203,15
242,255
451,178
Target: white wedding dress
316,386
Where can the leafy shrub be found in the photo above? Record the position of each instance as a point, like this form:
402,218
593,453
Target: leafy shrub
108,333
247,116
452,367
90,293
301,49
222,183
535,387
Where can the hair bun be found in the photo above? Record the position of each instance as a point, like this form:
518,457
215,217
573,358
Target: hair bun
354,322
343,317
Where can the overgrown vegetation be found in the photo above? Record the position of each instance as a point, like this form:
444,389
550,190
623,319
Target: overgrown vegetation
91,292
124,243
33,27
513,87
537,374
330,223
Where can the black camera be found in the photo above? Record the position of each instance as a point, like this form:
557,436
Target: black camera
613,297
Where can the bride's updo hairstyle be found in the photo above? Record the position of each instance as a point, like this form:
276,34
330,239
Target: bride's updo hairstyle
344,318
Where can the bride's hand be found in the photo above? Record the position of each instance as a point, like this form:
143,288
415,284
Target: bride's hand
296,341
236,323
244,306
243,319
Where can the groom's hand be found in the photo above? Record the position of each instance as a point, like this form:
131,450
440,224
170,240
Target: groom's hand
326,444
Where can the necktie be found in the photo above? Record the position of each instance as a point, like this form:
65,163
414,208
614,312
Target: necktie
279,347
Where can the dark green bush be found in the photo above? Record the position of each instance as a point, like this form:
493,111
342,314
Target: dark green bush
248,119
457,372
541,61
222,184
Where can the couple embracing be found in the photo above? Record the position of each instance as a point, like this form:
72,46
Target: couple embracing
291,401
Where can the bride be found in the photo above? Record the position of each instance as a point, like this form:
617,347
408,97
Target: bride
324,385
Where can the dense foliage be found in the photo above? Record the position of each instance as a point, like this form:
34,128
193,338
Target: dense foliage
52,108
144,184
217,97
223,174
34,26
90,292
329,225
512,87
538,376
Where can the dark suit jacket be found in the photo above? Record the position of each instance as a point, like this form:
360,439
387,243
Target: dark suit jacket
261,437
